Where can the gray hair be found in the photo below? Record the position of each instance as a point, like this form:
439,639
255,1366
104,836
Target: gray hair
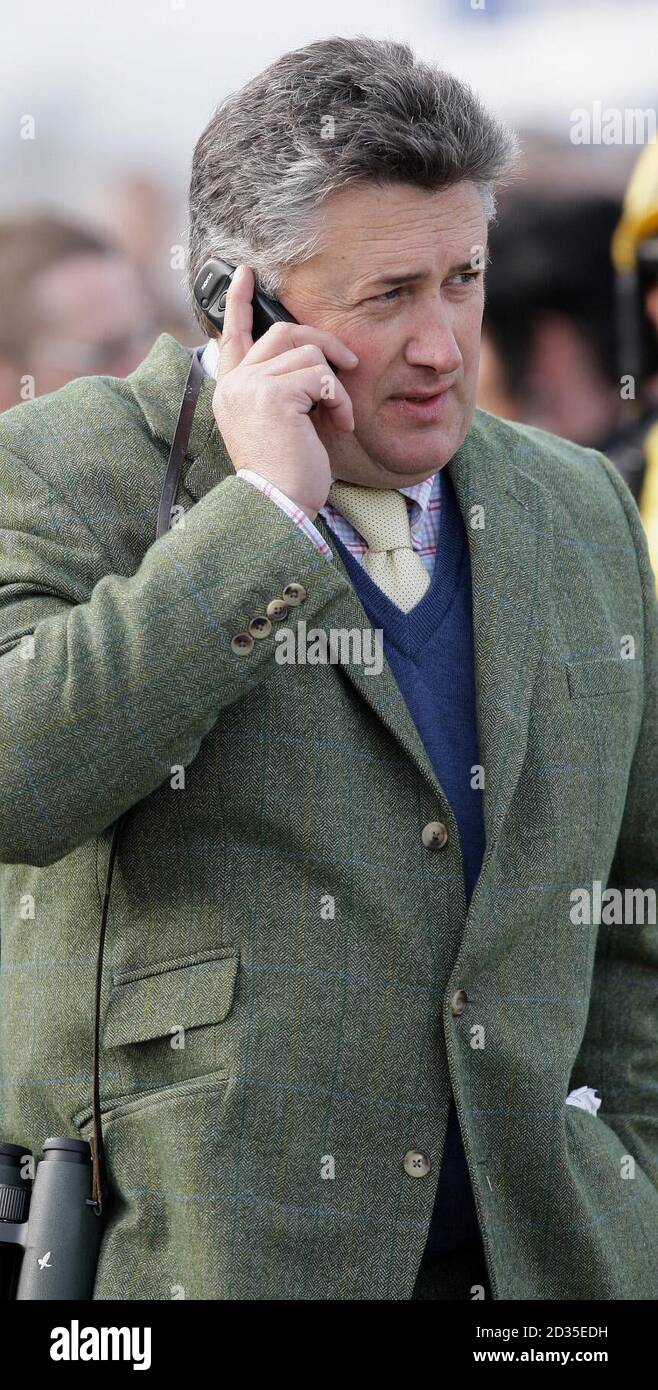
319,118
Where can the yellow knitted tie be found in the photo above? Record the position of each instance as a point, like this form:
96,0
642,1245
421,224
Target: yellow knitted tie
380,515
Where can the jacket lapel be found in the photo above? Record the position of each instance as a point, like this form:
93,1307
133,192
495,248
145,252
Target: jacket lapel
511,557
509,545
507,516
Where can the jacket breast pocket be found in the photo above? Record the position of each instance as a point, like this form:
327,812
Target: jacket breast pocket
168,1027
589,680
606,702
606,699
583,729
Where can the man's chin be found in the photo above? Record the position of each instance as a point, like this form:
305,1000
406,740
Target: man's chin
413,461
425,451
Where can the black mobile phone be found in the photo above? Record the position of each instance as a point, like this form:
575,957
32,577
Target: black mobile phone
211,288
210,291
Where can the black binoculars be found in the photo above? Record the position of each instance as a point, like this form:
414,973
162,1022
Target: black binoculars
50,1229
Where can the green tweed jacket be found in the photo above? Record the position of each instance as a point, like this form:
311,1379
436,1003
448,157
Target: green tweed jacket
281,1016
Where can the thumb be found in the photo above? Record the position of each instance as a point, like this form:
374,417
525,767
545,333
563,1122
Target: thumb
238,320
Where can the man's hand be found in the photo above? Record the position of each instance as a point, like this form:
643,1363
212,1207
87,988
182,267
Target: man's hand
265,391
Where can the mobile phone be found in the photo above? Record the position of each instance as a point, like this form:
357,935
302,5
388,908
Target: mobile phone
211,288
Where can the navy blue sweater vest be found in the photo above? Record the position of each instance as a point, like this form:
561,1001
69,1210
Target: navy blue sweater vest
430,651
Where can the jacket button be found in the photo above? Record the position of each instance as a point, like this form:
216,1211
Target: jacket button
260,626
417,1165
458,1002
242,644
294,594
435,835
277,609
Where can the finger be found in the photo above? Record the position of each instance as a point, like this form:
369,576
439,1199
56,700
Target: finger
311,382
286,336
295,360
238,321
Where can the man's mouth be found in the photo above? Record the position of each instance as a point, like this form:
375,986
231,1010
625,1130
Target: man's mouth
420,395
428,406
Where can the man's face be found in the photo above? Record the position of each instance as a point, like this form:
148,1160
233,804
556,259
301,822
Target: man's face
413,337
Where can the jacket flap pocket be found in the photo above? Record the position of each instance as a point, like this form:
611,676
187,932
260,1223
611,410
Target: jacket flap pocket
590,678
187,993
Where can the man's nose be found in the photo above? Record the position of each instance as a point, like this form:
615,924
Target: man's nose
433,344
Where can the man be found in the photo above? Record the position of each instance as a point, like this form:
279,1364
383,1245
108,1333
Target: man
353,971
72,305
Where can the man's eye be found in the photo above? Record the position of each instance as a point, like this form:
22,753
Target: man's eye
464,276
383,298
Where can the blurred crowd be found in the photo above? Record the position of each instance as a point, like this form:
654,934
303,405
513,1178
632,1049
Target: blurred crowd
81,297
570,336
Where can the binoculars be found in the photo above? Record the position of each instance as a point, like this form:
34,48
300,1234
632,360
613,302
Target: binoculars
50,1230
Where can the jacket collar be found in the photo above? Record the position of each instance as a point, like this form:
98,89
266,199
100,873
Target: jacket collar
158,384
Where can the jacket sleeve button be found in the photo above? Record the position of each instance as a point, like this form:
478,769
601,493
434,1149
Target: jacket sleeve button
294,594
277,609
435,835
242,644
260,626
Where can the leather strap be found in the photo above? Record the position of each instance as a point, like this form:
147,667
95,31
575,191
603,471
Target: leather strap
179,444
100,1184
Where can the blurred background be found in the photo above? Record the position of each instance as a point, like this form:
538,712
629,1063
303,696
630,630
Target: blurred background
101,107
